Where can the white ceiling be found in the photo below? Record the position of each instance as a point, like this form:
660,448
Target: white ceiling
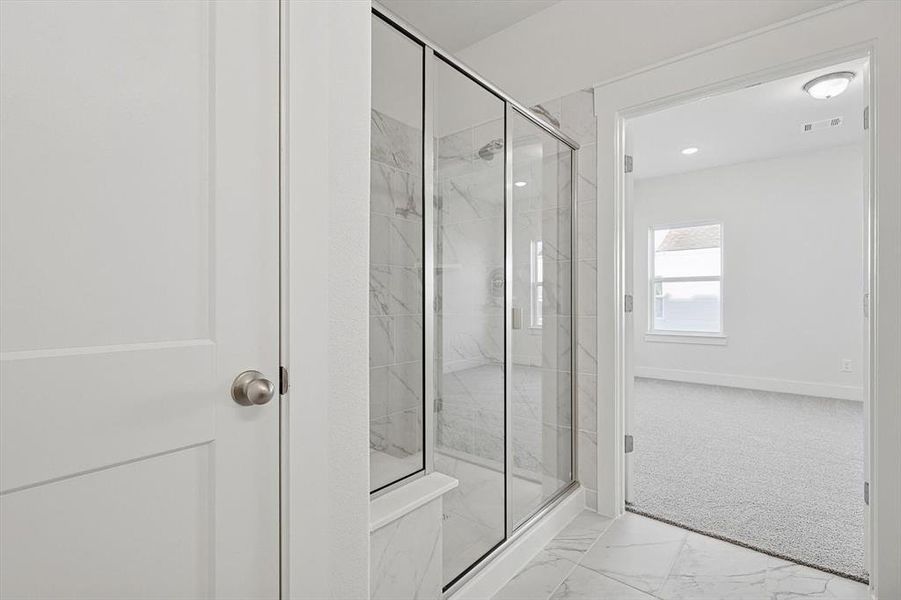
755,123
456,24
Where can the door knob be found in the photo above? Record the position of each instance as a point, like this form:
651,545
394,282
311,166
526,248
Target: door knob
251,388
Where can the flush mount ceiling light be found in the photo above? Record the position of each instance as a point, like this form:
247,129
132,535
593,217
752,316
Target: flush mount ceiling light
689,151
828,86
520,184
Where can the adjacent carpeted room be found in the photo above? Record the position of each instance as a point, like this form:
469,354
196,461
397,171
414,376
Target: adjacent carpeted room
780,473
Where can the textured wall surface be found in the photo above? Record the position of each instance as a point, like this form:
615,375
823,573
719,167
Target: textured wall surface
326,491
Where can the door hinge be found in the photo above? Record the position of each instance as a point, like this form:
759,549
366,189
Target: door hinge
628,164
282,380
627,303
866,117
866,306
866,493
630,443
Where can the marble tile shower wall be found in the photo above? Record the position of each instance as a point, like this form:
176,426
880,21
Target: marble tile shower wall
469,193
574,115
469,199
395,290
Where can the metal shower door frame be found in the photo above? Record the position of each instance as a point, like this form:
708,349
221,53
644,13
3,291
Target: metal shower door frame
431,53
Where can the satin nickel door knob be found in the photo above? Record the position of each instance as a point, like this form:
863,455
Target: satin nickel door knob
251,388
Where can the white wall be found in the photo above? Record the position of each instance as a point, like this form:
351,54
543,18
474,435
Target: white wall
793,268
326,494
846,32
577,43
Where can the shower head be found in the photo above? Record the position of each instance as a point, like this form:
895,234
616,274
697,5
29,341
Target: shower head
487,151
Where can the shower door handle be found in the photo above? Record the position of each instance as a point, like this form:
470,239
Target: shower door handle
516,318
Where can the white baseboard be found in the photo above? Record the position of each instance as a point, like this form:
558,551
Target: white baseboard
508,563
785,386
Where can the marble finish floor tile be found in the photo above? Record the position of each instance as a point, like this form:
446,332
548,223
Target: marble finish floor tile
538,579
583,584
791,582
577,537
636,551
710,568
634,557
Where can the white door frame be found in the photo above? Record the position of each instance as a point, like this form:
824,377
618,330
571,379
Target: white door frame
625,199
840,32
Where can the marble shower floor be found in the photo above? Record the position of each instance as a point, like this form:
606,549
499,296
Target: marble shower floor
634,557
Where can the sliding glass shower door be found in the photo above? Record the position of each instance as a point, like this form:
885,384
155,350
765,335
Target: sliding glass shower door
541,349
503,315
472,291
469,314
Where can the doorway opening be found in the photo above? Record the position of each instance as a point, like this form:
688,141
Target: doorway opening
747,363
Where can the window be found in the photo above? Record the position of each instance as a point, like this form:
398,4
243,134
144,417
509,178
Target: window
686,279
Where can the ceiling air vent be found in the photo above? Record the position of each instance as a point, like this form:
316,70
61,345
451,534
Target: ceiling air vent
824,124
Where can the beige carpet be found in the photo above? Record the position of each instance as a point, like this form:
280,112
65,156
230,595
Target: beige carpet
780,473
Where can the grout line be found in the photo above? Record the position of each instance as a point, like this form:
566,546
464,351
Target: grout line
593,544
578,563
672,564
565,577
596,540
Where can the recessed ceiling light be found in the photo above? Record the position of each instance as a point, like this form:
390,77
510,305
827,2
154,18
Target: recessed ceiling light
828,86
520,184
689,150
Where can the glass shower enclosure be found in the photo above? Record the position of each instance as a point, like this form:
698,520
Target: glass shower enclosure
471,294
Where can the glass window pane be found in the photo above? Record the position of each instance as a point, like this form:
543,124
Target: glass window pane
687,306
687,251
395,271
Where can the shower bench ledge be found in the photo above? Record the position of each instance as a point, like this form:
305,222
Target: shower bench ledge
407,498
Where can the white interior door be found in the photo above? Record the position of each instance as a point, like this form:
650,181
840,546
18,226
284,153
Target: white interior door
139,265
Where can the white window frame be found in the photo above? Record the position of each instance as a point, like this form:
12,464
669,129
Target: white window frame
686,337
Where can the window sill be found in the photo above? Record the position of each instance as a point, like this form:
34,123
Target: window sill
710,339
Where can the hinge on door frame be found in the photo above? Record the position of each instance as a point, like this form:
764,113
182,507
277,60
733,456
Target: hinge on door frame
630,443
628,303
282,380
628,163
866,493
866,117
866,306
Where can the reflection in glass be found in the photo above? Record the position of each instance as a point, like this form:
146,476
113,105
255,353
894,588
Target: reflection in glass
541,403
396,258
